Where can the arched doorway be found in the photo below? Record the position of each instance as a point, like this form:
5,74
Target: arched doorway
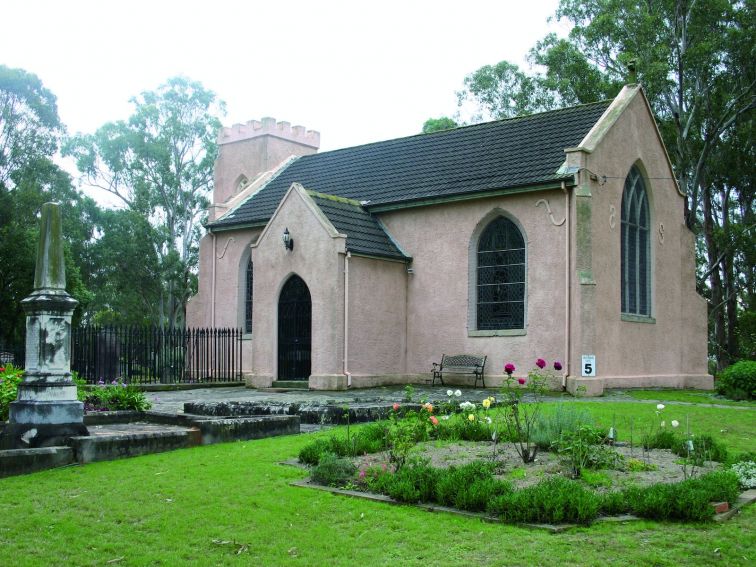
294,330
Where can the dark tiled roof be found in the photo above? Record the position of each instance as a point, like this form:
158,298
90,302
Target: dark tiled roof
503,154
365,235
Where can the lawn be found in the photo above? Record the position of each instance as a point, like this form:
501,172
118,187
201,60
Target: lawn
178,508
689,396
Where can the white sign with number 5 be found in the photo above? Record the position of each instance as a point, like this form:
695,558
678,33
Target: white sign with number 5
589,365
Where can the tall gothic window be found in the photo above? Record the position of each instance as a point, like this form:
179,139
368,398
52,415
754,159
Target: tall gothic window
501,277
248,298
636,261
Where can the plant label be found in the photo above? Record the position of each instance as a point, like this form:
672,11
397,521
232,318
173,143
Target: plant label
589,365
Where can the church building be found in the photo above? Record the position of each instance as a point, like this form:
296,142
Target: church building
558,235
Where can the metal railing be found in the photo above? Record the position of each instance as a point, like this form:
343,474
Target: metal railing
152,355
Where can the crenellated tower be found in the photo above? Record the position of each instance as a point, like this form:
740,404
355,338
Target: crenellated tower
247,151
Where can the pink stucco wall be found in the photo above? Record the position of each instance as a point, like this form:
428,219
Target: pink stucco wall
318,259
670,348
377,347
230,253
442,240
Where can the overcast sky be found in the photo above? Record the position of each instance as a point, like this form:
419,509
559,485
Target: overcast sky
355,71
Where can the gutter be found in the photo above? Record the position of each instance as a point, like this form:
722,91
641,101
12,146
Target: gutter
567,291
346,319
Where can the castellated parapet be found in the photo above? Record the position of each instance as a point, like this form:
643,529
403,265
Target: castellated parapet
269,126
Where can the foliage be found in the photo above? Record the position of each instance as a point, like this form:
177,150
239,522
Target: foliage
584,449
10,378
29,134
413,483
159,164
116,396
404,432
552,426
595,479
688,500
705,448
456,480
370,438
333,471
29,124
520,419
738,381
438,124
746,471
554,500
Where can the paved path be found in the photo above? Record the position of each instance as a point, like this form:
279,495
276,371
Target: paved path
173,401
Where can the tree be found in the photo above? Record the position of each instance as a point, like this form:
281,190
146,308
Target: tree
694,60
437,124
159,164
30,131
29,123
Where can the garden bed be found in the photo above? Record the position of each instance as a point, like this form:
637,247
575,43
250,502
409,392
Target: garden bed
663,466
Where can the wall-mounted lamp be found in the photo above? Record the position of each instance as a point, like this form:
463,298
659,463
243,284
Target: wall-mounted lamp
288,241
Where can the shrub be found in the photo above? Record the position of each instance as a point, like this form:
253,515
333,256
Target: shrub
661,439
551,427
554,500
10,378
689,500
614,503
705,448
480,492
311,453
671,502
596,479
333,471
455,480
114,397
636,465
415,482
746,472
720,486
738,381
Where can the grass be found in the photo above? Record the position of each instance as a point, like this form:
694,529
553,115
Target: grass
167,509
735,427
688,396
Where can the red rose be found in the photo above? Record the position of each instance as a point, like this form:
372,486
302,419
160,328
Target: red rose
521,381
540,363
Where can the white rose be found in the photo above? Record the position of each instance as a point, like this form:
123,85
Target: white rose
660,406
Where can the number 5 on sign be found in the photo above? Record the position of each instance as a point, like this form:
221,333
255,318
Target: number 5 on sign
589,365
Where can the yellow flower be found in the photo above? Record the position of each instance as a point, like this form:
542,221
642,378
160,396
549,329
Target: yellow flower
471,417
487,403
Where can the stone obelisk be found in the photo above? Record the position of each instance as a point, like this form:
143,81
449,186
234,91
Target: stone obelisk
46,411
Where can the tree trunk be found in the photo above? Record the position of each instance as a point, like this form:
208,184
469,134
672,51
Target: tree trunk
716,314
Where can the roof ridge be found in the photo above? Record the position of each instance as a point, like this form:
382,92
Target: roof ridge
463,127
336,198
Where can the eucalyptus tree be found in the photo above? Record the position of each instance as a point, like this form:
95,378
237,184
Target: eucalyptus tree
30,132
159,164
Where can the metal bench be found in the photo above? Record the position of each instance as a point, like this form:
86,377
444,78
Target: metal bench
460,364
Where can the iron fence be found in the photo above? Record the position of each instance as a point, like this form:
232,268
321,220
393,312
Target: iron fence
12,353
152,355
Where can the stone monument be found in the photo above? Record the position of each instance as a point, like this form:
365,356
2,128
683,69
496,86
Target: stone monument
46,411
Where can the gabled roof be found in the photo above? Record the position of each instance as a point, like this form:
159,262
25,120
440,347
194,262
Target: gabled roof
494,156
365,235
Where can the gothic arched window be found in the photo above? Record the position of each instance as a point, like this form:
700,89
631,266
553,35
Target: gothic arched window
636,260
249,280
501,276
